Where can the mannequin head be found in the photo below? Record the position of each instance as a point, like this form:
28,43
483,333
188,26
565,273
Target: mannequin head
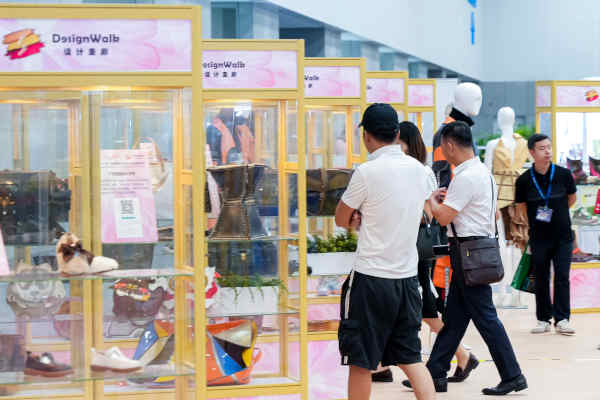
506,118
468,98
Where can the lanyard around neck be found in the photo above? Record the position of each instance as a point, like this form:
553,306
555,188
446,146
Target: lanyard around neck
546,198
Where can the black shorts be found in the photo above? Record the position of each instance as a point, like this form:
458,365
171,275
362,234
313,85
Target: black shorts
380,321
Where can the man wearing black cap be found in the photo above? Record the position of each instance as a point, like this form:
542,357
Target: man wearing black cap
380,302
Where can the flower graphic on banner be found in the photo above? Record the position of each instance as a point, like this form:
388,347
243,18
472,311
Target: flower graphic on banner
591,95
22,43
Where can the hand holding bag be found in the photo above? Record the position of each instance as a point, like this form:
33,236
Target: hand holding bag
429,236
480,258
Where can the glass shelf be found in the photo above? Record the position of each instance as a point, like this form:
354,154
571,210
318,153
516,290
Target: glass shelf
75,317
282,311
148,373
110,275
258,239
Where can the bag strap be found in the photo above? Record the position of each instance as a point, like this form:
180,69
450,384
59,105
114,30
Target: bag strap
426,218
494,204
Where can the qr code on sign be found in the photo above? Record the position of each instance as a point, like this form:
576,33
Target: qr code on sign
127,207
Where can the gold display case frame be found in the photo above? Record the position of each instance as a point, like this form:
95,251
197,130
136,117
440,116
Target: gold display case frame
553,109
85,166
419,110
341,104
284,167
399,107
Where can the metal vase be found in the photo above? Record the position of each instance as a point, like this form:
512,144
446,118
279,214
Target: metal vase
239,217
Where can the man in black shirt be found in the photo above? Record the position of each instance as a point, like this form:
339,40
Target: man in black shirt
545,193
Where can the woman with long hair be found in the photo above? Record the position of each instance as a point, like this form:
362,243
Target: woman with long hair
411,141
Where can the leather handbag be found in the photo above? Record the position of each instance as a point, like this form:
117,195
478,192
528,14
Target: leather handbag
324,189
480,258
429,236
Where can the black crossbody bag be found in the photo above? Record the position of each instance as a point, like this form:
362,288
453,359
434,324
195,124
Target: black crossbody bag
480,258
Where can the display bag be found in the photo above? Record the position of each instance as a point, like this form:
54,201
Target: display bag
480,258
429,236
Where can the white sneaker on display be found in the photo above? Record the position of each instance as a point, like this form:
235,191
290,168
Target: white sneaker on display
542,327
103,264
564,328
113,360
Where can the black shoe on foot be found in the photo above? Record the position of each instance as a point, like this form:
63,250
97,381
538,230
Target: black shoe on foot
460,375
514,385
382,376
441,384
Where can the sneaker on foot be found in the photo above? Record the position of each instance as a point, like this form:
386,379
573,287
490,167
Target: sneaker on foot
542,327
564,328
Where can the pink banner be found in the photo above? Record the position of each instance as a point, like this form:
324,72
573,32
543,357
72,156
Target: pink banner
421,95
578,96
331,81
224,69
380,90
128,211
584,288
543,96
85,45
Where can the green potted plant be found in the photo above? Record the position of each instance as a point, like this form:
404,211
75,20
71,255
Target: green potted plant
332,256
247,295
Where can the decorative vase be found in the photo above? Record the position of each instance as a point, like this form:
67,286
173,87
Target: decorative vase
239,218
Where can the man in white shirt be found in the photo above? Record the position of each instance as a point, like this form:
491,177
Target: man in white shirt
380,302
470,205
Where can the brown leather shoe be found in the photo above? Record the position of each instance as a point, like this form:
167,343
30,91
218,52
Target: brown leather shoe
45,365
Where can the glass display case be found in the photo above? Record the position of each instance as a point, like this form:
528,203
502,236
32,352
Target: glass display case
388,87
254,142
334,101
97,198
421,109
569,113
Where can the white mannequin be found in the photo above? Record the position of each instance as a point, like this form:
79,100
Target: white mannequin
468,98
511,254
506,122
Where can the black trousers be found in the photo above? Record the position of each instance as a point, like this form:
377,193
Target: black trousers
560,252
467,304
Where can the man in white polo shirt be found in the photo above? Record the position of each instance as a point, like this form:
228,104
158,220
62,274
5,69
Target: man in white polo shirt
470,205
380,302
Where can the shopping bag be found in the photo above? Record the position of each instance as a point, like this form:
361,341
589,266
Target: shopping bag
524,279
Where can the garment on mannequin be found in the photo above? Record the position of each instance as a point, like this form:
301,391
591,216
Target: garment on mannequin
505,157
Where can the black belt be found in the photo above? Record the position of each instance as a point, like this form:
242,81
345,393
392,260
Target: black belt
468,238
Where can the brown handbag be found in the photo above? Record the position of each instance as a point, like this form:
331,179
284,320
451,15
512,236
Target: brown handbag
480,259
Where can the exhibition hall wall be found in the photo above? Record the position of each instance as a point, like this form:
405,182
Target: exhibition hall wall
540,40
426,29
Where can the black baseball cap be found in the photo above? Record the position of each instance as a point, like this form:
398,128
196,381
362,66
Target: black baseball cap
380,119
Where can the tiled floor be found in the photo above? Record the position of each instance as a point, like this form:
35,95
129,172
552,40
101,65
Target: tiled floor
557,367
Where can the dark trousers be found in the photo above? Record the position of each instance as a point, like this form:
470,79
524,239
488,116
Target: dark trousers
560,252
466,304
